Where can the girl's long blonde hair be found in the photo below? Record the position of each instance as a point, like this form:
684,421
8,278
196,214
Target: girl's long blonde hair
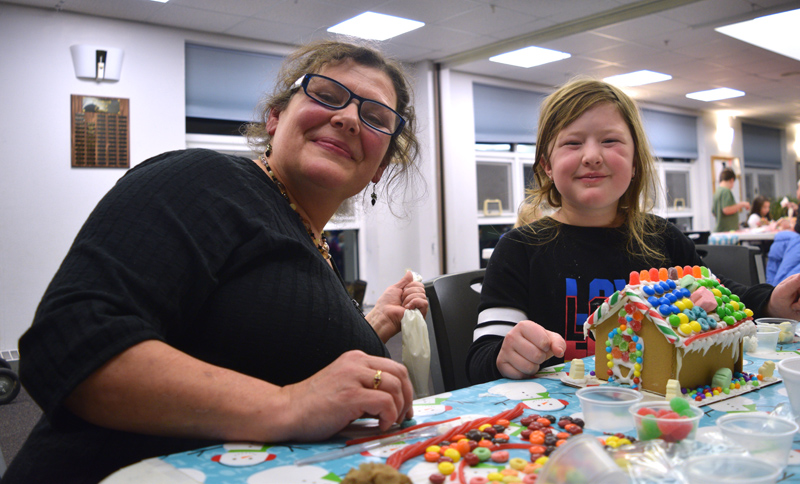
561,109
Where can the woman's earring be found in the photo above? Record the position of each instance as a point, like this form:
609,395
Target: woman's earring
374,196
268,150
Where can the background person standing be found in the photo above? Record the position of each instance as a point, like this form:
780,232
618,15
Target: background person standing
725,208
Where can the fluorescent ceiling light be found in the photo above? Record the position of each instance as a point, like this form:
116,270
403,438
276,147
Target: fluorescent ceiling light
375,26
715,94
161,1
530,56
777,32
638,78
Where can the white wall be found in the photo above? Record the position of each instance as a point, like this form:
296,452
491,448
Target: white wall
458,172
44,202
393,244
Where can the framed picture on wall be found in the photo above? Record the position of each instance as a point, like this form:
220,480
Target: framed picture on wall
100,134
719,163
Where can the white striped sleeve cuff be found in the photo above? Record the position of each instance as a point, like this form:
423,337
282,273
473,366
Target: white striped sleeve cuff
497,321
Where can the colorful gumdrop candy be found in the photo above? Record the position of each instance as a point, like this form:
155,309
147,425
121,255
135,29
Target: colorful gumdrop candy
648,428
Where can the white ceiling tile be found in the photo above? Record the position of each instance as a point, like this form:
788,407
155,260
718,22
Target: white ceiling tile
485,21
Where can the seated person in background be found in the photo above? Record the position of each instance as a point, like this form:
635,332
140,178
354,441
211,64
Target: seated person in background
725,208
792,209
784,257
759,212
595,168
199,304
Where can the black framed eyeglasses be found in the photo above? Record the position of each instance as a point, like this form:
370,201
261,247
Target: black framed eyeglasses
335,95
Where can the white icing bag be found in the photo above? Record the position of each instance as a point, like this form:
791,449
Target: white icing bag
416,348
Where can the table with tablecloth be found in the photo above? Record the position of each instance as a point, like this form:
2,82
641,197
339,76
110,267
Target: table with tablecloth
546,394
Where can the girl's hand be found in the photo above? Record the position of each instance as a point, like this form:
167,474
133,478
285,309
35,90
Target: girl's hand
388,312
526,347
344,391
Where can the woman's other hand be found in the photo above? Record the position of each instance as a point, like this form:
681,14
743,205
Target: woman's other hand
388,312
526,346
346,390
785,299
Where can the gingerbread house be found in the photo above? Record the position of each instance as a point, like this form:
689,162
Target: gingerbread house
670,323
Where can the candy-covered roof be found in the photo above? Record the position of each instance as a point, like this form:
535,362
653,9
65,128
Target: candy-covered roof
686,304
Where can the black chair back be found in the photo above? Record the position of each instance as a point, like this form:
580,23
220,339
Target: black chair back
742,263
698,237
454,314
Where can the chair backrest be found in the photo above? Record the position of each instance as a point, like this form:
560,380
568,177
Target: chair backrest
742,263
698,237
454,314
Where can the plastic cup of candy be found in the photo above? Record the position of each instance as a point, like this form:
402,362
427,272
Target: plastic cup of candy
605,407
729,469
671,421
581,459
786,335
767,336
790,373
765,437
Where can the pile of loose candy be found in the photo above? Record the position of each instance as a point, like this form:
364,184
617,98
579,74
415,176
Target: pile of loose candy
490,442
738,381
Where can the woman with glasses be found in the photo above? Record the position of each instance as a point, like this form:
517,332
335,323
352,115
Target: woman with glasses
199,304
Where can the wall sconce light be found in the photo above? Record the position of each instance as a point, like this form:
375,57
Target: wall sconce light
98,63
724,134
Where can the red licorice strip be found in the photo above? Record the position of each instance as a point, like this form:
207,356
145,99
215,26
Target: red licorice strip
462,479
401,431
410,451
511,446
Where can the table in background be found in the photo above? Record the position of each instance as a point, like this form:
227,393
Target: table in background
256,463
745,235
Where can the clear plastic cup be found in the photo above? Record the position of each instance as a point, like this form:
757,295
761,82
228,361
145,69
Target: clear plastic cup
729,469
605,407
785,336
649,427
765,437
790,373
581,459
767,338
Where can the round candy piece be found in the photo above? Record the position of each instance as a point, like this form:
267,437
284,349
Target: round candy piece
479,480
471,459
453,454
446,468
409,422
483,453
437,478
432,456
500,456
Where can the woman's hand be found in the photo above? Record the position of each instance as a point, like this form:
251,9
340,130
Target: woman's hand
388,312
785,299
526,347
345,390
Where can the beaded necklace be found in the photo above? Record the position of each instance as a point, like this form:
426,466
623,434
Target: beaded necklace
322,242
